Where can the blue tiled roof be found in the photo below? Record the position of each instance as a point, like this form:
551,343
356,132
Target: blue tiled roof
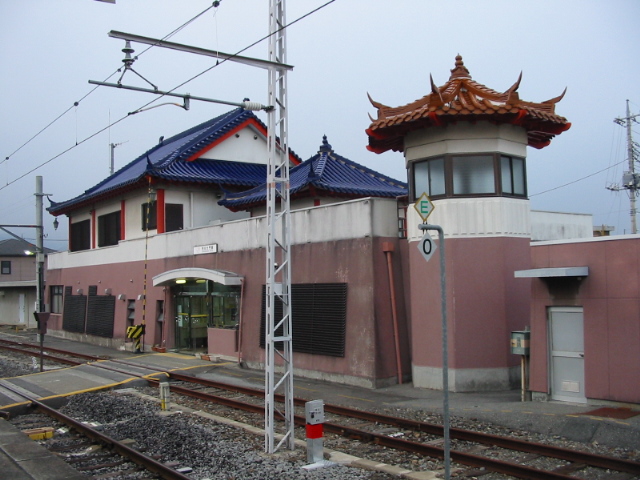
167,160
330,175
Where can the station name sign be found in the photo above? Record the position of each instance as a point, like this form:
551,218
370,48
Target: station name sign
202,249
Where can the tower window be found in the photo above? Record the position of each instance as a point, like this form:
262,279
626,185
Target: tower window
487,174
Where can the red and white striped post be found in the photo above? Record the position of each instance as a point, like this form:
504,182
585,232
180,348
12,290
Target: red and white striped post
314,413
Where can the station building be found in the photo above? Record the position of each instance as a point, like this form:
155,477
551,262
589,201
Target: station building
175,241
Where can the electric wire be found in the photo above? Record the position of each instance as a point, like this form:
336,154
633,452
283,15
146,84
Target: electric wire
577,180
77,102
78,143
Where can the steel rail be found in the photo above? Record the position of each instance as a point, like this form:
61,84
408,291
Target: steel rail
50,349
67,361
135,456
516,470
594,460
569,455
124,450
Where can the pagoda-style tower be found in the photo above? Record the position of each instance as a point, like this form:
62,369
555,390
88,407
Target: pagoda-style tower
465,146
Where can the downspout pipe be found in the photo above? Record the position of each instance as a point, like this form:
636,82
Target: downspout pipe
240,322
387,248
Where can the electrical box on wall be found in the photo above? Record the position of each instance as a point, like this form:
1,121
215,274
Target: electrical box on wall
520,342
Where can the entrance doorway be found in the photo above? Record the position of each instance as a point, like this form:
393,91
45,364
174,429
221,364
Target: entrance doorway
202,305
191,322
566,346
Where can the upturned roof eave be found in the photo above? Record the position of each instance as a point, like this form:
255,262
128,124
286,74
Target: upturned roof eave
463,99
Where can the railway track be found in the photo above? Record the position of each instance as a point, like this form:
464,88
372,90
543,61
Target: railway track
88,450
467,442
51,354
476,453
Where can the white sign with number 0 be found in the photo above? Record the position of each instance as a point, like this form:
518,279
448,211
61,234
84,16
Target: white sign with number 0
427,246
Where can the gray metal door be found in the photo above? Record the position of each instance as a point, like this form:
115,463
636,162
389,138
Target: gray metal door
566,344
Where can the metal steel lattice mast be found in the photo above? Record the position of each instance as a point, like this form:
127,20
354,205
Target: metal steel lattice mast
278,268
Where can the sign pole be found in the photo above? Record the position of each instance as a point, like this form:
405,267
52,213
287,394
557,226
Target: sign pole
445,347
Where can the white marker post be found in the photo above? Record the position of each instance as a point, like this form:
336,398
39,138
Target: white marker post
427,247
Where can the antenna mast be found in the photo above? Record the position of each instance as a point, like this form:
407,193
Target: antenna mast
630,179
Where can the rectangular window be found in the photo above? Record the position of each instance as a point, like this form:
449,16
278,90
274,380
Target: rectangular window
109,229
429,177
149,216
6,267
56,298
173,217
473,175
513,175
80,236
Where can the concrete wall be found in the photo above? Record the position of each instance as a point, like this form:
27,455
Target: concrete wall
484,305
331,244
560,226
610,298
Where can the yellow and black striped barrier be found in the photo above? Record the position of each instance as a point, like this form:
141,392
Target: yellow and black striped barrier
135,332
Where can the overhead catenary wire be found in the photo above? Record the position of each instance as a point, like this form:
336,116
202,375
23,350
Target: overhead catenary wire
78,143
77,102
577,180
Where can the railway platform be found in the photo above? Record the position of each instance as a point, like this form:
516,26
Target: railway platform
612,425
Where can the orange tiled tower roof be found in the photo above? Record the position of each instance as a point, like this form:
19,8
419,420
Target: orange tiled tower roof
463,99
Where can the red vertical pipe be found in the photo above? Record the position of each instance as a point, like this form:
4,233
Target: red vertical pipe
387,248
160,211
123,219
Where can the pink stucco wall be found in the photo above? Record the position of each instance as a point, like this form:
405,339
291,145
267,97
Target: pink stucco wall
484,304
361,263
610,298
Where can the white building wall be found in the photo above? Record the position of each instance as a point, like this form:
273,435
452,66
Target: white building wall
465,138
354,219
560,226
248,145
133,216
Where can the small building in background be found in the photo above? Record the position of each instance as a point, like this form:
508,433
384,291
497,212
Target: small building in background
18,282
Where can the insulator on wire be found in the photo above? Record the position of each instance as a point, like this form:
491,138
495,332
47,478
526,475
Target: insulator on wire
256,106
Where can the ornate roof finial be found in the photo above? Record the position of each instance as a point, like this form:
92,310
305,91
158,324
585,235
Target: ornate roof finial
460,70
325,147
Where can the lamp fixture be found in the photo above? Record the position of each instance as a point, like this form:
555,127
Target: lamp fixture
181,280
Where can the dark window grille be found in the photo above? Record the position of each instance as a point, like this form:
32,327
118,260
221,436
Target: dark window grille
319,313
75,310
151,209
101,315
80,236
173,217
109,229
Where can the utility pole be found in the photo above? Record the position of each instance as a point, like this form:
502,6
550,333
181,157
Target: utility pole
39,247
630,179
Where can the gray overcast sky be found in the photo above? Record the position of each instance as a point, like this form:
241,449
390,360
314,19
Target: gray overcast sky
49,51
